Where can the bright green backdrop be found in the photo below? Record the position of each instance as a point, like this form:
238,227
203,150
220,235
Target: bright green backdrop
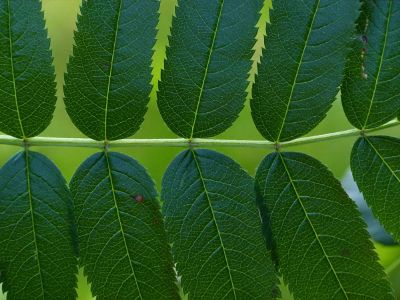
60,19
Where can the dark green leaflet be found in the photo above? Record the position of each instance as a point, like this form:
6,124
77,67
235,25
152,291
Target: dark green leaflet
203,84
107,86
302,64
371,88
37,258
123,246
375,163
375,229
324,250
215,229
27,80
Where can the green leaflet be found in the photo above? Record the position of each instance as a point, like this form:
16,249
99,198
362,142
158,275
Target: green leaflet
27,80
375,229
371,88
123,246
203,84
323,248
215,229
375,163
107,86
37,258
302,64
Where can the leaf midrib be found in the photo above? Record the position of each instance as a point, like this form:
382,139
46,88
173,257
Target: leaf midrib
311,225
214,220
13,71
111,70
207,66
380,63
298,69
120,221
383,160
30,199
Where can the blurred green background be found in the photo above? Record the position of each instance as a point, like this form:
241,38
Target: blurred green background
60,18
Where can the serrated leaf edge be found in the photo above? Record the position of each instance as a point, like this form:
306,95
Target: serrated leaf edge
292,183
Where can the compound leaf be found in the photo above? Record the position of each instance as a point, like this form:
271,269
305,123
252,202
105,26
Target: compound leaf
302,64
323,248
375,163
215,229
27,80
37,242
123,246
371,88
203,85
107,86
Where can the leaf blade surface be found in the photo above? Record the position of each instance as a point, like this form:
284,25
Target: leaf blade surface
213,224
302,65
107,85
371,87
36,230
203,84
323,248
375,163
121,231
27,79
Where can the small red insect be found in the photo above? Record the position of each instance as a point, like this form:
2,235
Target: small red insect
138,198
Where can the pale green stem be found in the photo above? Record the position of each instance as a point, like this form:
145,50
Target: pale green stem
180,142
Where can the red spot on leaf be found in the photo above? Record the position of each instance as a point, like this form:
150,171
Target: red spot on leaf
138,198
